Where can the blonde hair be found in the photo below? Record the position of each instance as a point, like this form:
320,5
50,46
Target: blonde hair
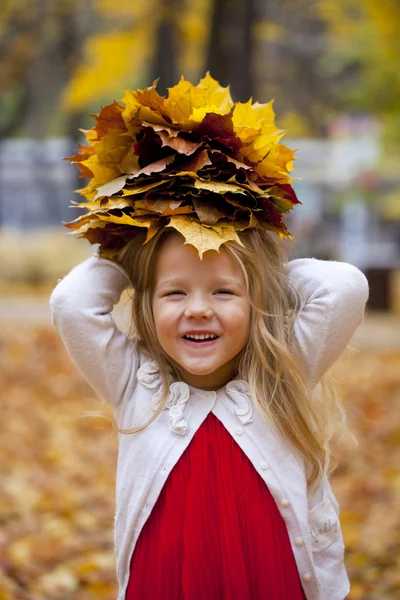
276,381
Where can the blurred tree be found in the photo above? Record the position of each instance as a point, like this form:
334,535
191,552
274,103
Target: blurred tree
364,54
137,42
314,56
17,51
289,43
40,42
194,27
230,50
116,55
164,64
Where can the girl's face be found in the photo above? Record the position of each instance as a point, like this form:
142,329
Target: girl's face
196,298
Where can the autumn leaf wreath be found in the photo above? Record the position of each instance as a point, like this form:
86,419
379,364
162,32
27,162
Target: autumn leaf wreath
193,160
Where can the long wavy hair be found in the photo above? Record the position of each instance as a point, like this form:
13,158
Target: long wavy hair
277,383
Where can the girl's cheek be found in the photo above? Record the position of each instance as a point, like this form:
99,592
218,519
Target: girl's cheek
168,314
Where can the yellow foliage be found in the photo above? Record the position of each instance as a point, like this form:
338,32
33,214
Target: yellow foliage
113,60
194,23
267,31
350,19
187,104
295,123
120,56
132,9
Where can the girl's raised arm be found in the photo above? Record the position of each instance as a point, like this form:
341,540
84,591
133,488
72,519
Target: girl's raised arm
81,306
336,294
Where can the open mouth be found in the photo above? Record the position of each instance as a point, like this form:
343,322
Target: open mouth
200,338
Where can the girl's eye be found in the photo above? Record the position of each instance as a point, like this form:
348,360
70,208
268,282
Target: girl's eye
175,292
224,292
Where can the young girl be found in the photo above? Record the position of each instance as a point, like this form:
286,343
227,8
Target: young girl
222,490
216,496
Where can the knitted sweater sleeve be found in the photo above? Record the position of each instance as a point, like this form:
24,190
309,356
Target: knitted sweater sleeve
335,296
81,306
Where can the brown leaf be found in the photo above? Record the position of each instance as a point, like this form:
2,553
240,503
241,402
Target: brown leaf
230,159
155,167
130,163
163,207
172,132
196,162
207,212
141,189
178,143
218,187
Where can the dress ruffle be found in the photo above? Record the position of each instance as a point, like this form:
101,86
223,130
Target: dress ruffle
179,393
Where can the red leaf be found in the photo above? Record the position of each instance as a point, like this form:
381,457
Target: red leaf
220,129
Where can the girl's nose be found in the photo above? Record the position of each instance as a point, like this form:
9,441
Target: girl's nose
198,309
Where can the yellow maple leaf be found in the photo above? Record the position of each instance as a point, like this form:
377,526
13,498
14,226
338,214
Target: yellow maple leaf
277,164
198,114
124,219
102,173
188,104
143,104
103,164
204,237
140,189
81,225
218,187
243,116
252,120
264,112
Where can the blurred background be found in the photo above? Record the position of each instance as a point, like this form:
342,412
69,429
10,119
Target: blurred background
333,68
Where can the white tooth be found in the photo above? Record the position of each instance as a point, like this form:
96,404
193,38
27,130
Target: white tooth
206,336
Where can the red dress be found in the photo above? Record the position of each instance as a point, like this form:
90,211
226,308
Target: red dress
215,532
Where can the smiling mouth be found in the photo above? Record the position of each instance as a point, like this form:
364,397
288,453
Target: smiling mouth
200,338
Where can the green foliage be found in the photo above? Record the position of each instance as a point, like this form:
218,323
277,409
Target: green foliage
364,53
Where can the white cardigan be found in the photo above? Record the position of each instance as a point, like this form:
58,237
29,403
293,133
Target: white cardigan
81,304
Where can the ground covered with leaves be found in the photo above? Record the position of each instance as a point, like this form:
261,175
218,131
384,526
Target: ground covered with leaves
57,469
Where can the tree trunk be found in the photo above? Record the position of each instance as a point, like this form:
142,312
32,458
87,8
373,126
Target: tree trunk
164,67
230,51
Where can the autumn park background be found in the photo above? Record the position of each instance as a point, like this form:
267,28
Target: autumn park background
333,67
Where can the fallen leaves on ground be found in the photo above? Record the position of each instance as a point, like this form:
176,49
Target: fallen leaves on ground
57,474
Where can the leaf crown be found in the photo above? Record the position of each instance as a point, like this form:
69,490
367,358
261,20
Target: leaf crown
193,160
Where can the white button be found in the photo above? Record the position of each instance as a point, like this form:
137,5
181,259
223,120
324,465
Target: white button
299,541
285,502
263,464
307,577
239,430
210,395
